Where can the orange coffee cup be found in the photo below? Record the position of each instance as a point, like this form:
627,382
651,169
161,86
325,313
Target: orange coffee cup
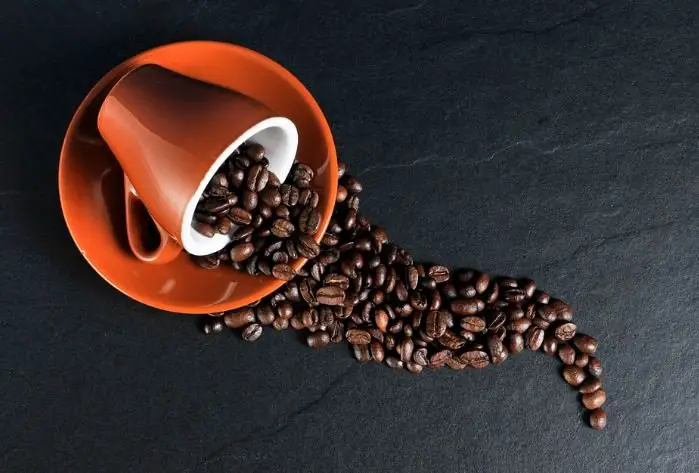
170,134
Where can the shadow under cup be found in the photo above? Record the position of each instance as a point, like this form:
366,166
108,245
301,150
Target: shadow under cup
91,180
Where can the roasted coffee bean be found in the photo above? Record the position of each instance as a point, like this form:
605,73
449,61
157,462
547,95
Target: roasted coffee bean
309,221
204,218
420,356
401,291
381,319
594,400
481,283
341,194
514,295
567,354
350,219
307,247
353,202
463,307
582,359
495,320
252,332
456,364
586,344
239,318
241,251
255,152
289,194
518,325
550,346
362,353
224,226
534,337
428,284
556,310
574,375
438,273
285,310
330,295
318,340
389,341
280,257
467,291
358,337
414,367
406,350
438,359
396,327
242,233
377,351
204,228
212,325
282,228
590,385
280,324
250,200
451,341
352,184
240,216
598,419
214,205
498,352
403,310
412,277
257,178
594,367
541,323
475,358
515,342
565,331
473,324
418,301
541,297
283,272
282,211
394,362
265,268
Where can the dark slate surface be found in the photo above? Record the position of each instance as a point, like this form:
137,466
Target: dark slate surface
548,138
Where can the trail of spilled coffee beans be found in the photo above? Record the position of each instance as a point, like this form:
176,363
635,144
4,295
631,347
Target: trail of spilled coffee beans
360,287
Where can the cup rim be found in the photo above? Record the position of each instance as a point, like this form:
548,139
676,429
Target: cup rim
129,65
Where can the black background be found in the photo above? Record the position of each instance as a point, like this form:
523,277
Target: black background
545,138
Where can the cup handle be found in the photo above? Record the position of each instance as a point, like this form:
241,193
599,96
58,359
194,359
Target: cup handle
167,250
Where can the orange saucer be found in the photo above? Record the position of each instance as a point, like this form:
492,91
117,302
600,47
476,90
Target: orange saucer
90,181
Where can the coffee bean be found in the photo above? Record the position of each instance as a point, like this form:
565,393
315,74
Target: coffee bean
341,194
396,327
475,358
318,340
352,184
204,228
582,359
498,352
309,221
451,341
574,375
594,367
389,342
465,307
418,301
556,310
252,332
565,331
239,318
438,359
495,320
473,324
514,295
518,325
212,325
282,228
598,419
406,350
456,364
362,353
594,400
481,283
586,344
567,354
241,251
381,319
420,356
394,362
541,297
283,272
550,346
590,385
358,337
414,367
330,295
255,152
307,247
534,337
467,291
439,273
541,323
257,178
515,342
401,291
240,216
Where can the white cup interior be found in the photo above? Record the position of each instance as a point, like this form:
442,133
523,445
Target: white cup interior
280,139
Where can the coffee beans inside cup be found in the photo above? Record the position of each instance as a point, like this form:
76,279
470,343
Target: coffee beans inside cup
360,287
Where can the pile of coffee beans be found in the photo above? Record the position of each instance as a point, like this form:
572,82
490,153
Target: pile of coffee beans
271,224
360,287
